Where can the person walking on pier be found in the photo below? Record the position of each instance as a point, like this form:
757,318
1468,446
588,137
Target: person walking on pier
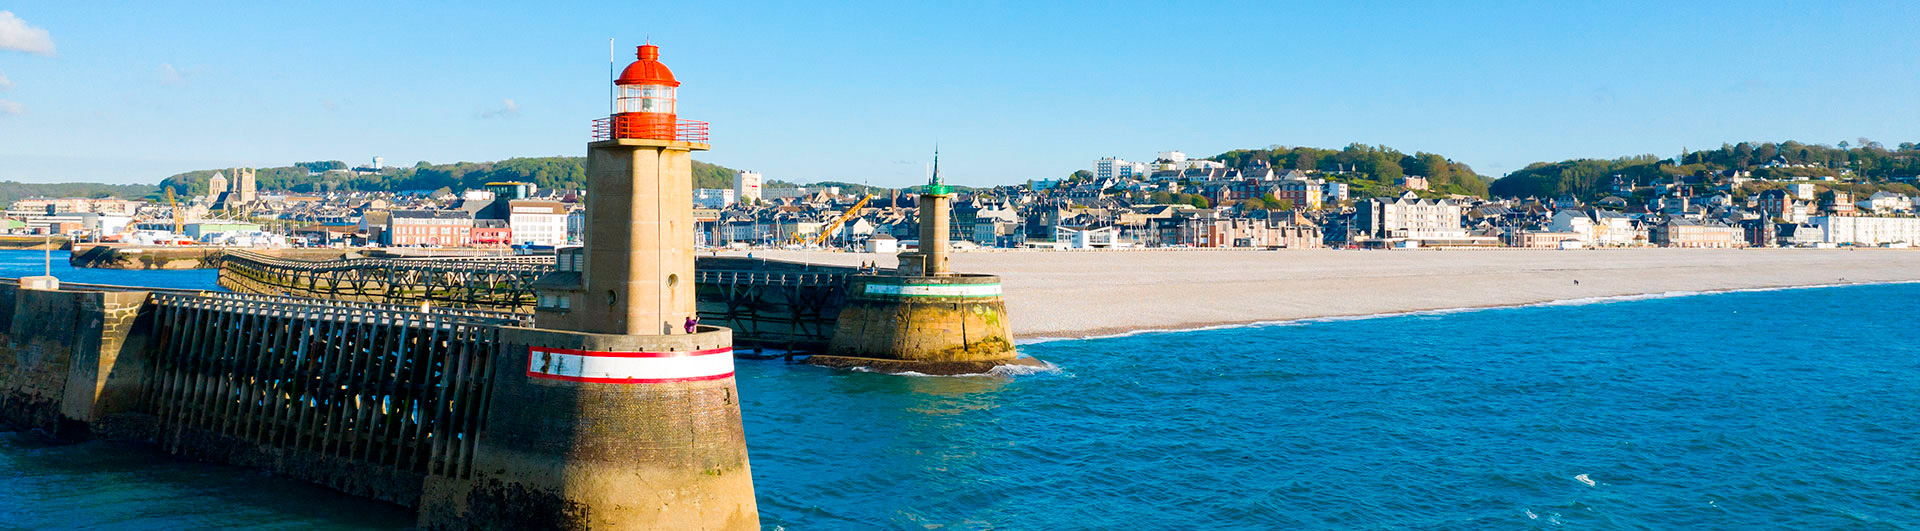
692,322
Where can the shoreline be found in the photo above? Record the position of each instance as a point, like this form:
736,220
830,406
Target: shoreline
1080,295
1201,327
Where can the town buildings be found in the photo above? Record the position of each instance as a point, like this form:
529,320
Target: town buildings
715,198
747,186
1692,234
450,228
233,194
1176,201
1301,194
537,222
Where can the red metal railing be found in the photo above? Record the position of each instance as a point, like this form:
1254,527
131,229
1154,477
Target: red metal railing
681,131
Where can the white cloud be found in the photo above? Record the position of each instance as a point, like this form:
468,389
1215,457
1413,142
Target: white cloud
508,109
5,84
16,35
171,76
9,107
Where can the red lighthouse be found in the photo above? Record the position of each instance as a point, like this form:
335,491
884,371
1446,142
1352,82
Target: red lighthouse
644,104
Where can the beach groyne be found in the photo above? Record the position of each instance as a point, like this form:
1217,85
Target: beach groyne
438,409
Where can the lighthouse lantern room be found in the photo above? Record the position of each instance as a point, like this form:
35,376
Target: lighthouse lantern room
644,102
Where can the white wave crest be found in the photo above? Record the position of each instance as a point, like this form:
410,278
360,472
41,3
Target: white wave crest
1001,371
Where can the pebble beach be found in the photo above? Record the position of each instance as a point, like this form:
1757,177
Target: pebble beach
1073,294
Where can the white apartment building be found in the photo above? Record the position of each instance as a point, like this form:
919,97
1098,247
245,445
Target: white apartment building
1862,230
799,191
1597,228
1801,191
1575,222
1178,161
1112,167
537,222
1102,237
715,198
1333,191
748,185
1410,217
1173,157
1886,203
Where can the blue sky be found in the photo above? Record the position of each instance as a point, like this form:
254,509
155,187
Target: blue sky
1012,91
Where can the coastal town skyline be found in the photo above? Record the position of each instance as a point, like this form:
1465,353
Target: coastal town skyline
347,83
704,317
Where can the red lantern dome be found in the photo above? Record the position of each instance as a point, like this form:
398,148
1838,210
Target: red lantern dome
644,104
647,70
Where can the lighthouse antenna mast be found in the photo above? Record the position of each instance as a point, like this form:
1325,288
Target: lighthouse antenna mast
613,69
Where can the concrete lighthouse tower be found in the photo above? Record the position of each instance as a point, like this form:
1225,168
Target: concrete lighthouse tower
924,318
617,410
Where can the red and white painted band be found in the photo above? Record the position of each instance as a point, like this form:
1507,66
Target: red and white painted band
629,367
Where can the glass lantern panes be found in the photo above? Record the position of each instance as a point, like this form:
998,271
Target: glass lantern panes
645,98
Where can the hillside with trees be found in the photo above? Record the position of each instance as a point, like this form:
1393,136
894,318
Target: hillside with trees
11,191
551,173
1871,165
1378,166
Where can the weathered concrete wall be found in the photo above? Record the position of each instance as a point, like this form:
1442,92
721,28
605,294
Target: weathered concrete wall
576,455
71,361
639,251
949,324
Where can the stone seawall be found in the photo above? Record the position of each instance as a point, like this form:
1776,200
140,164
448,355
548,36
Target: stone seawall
71,362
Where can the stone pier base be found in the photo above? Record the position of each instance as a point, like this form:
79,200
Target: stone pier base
941,324
599,431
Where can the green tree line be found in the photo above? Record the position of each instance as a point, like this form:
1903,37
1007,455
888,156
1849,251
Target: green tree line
1380,165
11,191
1869,161
551,173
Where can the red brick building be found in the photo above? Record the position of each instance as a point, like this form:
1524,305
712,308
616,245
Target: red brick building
450,228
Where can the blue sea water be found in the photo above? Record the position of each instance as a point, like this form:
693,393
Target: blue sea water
1789,409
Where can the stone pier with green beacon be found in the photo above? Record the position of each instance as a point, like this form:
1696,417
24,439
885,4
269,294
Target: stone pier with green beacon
925,318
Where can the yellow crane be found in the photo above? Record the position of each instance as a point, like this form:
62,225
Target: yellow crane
826,231
179,223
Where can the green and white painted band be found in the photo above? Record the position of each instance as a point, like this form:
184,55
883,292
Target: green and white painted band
935,290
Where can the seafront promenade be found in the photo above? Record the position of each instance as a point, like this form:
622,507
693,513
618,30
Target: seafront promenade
1094,293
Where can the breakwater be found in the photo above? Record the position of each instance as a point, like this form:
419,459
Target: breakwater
789,306
120,256
386,402
36,243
